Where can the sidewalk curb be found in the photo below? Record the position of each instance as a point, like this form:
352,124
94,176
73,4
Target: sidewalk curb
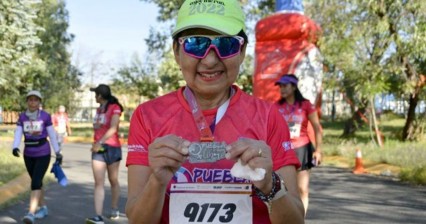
21,184
14,188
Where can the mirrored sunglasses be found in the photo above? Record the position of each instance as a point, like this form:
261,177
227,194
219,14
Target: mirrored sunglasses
199,46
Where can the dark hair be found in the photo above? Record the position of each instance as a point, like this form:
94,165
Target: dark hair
298,97
110,100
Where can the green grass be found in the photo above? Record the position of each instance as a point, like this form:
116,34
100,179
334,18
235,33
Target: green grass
87,131
16,199
415,175
410,156
10,166
48,178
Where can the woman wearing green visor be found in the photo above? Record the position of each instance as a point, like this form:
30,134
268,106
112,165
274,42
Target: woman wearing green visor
208,152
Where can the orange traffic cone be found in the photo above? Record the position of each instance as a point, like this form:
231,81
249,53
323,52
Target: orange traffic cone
359,167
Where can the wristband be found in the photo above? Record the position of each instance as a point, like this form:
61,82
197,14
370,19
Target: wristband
278,190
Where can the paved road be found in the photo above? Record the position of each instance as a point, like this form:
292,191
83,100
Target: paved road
337,196
74,203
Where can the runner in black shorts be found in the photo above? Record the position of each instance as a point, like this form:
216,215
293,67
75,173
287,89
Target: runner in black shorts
299,112
36,125
106,151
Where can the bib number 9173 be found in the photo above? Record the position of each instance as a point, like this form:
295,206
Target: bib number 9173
197,213
214,203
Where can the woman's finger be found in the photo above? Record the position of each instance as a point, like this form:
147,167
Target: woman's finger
171,142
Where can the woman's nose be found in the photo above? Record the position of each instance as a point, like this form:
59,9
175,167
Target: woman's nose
211,58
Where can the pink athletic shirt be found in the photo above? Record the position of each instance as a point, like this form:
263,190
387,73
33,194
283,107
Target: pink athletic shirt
102,122
60,121
246,116
296,115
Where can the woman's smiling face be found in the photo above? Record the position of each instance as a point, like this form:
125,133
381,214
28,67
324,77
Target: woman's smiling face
209,76
287,90
33,103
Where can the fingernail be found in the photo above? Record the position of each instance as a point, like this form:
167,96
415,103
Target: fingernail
186,143
228,147
185,150
228,155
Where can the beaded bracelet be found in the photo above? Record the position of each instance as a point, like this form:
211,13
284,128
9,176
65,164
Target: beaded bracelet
278,190
275,184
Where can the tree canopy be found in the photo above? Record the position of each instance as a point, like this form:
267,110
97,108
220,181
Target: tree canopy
33,53
374,47
18,56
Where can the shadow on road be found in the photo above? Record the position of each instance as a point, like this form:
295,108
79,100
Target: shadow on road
338,195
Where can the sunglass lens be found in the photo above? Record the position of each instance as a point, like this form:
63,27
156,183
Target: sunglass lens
197,45
227,46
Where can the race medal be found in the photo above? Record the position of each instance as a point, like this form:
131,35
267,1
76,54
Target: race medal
294,129
206,152
210,203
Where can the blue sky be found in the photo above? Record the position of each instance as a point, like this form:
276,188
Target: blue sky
109,31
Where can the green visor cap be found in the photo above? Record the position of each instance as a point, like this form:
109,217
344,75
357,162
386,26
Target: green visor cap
223,16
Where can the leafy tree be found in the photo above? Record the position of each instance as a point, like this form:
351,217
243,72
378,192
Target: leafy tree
245,79
169,73
33,54
61,79
137,77
375,47
18,59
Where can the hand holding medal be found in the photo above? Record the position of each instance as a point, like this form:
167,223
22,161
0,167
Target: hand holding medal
166,155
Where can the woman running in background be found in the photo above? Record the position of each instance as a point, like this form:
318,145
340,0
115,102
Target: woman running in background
298,111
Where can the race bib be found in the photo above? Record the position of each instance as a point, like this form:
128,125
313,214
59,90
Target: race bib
33,126
210,203
99,119
294,129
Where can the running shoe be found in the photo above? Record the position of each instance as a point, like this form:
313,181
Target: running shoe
29,218
95,220
41,212
115,214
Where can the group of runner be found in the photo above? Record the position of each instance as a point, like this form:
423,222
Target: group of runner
37,125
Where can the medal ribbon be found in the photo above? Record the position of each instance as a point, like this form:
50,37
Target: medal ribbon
206,131
291,111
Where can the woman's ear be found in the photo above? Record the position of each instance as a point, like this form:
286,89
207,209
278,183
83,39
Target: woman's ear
176,51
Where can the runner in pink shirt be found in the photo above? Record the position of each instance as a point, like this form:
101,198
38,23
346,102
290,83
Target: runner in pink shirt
61,123
298,111
106,151
208,152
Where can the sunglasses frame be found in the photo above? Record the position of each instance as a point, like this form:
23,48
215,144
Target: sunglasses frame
183,39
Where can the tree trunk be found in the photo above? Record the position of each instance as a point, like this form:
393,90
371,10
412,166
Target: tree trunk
333,106
353,123
408,131
376,127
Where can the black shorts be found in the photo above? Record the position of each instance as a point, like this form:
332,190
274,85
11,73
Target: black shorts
110,155
305,156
